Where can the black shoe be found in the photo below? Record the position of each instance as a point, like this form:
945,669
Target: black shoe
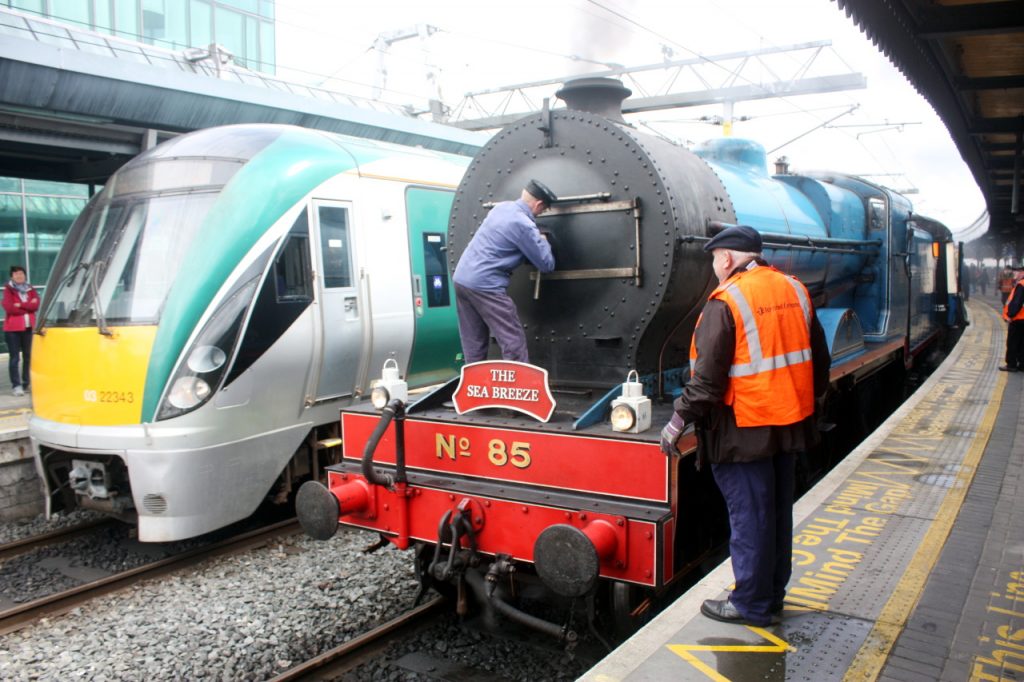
1006,368
723,610
776,608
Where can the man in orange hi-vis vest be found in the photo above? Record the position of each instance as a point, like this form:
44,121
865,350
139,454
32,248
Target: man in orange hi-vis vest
1013,312
759,359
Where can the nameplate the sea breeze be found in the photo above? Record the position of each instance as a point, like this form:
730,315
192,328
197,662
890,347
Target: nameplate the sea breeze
506,384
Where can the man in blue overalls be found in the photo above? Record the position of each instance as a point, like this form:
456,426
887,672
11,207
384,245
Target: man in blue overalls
506,239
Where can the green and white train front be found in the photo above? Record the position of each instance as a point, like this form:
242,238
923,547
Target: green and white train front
218,302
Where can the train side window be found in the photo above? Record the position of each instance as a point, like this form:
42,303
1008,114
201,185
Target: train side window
291,269
437,293
334,246
876,214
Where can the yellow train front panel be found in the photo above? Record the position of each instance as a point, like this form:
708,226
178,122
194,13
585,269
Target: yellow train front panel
80,376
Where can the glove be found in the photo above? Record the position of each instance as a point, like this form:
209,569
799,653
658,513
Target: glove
670,434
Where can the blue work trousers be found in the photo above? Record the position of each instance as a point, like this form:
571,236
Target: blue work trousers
759,496
483,314
1015,345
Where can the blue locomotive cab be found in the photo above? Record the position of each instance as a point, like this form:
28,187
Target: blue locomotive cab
875,269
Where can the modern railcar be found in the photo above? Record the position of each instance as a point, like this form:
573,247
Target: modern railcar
214,306
579,495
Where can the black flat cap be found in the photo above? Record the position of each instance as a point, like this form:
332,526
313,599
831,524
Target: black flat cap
541,191
737,238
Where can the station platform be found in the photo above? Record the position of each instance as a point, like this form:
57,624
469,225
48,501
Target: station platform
20,491
908,556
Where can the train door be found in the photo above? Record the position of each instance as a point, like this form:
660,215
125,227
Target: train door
436,333
923,278
341,310
955,271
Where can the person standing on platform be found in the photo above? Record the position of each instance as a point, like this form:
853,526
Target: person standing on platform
1005,284
758,361
1013,312
983,280
20,304
506,238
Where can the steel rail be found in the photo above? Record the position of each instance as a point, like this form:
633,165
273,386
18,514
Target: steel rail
16,547
348,655
23,615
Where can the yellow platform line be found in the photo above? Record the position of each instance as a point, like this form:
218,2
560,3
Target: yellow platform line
874,652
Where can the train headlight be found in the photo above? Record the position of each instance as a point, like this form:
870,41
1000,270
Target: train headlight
631,412
379,397
389,387
202,367
206,359
623,418
187,392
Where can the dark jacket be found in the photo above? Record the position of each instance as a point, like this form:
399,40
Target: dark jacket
1016,301
720,440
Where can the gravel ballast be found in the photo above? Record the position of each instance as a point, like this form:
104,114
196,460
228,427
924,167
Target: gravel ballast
39,524
249,617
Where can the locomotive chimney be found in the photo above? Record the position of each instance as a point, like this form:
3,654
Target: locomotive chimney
782,166
602,96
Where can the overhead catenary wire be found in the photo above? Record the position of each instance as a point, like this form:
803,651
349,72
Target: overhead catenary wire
602,4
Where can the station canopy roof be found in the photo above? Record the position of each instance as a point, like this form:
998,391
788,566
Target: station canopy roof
75,105
966,57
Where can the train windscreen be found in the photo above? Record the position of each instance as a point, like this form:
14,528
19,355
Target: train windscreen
122,258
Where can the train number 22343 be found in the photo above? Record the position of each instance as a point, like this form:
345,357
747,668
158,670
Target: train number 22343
92,396
499,453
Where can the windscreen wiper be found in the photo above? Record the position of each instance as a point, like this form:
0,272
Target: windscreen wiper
101,322
52,295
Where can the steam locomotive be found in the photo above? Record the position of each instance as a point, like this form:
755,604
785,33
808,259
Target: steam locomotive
575,496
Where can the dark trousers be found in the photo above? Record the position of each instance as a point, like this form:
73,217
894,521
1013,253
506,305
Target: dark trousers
1015,345
483,314
759,496
19,344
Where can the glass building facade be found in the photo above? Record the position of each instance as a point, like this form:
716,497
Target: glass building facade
35,215
34,218
244,27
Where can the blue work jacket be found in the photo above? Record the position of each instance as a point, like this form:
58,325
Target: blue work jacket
506,238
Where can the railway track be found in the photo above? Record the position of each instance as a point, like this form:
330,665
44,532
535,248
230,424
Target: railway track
23,615
352,653
16,547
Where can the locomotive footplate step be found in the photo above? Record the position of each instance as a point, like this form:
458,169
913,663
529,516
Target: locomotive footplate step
907,563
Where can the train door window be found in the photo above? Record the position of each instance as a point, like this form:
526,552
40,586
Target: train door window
876,214
334,245
437,294
291,269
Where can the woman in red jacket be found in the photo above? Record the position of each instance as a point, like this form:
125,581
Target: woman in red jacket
20,303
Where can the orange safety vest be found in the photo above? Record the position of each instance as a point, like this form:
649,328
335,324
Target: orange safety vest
771,381
1006,307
